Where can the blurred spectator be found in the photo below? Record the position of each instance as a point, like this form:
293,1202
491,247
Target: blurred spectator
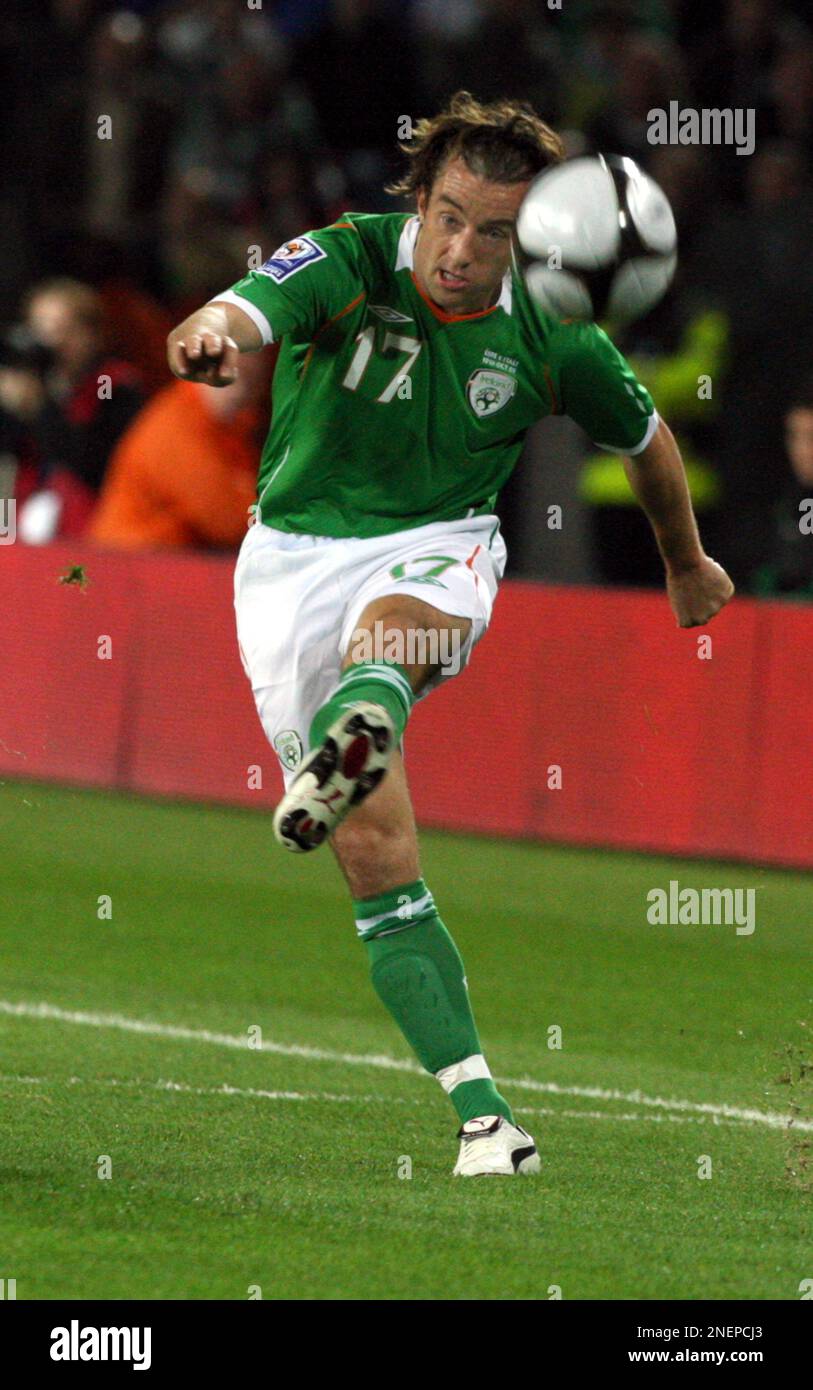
598,38
137,325
474,43
122,163
235,126
790,567
238,113
93,124
21,365
197,37
200,247
790,110
185,472
202,250
648,73
235,102
136,319
755,264
73,409
359,95
739,65
733,62
289,198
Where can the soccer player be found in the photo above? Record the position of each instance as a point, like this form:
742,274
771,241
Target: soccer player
412,362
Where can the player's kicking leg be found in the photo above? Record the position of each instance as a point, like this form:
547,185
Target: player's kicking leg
416,967
345,764
354,735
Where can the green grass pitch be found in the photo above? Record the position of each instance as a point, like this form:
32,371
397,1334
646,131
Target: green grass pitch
237,1168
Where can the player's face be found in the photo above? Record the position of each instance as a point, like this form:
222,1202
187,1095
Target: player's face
464,244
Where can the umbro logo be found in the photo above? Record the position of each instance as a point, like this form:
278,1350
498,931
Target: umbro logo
389,315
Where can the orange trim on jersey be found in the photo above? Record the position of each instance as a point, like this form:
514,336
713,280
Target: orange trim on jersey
549,384
324,326
340,224
471,558
441,313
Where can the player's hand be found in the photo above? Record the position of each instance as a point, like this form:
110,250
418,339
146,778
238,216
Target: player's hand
208,357
696,594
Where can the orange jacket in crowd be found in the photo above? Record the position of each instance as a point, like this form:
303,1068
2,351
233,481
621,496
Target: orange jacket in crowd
184,473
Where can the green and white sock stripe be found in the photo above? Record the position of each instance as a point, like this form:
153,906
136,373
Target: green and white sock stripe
389,674
474,1068
381,682
394,910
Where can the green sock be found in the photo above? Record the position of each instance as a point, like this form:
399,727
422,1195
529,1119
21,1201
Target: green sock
418,976
384,682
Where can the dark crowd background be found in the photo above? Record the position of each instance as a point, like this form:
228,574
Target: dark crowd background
235,125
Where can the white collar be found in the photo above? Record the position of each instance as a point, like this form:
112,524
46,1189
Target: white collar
405,260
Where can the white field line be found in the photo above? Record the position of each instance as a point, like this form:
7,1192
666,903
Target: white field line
225,1089
253,1093
120,1022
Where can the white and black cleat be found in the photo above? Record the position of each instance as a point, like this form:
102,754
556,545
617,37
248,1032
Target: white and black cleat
492,1145
336,776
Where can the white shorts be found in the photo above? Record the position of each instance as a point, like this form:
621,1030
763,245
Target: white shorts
298,599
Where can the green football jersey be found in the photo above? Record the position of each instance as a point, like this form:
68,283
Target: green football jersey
388,412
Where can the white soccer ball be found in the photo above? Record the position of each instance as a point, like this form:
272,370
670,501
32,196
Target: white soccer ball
600,239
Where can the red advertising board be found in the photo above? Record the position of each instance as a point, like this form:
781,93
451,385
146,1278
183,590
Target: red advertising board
585,717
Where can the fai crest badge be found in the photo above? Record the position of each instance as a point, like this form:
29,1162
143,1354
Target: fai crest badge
288,748
489,391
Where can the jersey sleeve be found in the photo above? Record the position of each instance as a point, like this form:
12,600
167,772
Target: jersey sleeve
599,390
306,282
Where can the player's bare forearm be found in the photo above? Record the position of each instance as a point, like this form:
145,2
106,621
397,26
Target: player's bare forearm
697,586
658,479
206,346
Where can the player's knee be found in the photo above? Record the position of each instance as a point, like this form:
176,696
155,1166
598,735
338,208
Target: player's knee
380,625
411,618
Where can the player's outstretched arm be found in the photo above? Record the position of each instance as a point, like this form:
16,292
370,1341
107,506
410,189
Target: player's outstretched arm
697,586
206,347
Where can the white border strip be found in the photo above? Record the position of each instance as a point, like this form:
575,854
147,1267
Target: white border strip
652,425
251,311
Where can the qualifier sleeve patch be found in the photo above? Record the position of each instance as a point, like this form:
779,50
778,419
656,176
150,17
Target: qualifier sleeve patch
291,257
